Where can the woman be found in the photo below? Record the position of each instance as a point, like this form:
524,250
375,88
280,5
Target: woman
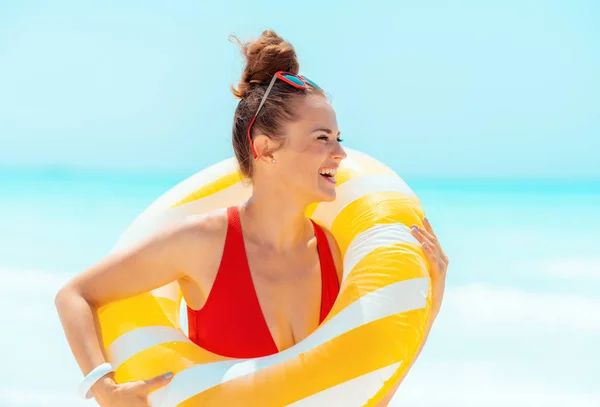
287,269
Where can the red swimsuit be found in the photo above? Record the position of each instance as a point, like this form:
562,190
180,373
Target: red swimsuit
231,322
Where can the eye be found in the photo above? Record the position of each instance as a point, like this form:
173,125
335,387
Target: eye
327,137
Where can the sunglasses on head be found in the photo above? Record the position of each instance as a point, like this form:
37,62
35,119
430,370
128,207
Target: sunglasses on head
297,81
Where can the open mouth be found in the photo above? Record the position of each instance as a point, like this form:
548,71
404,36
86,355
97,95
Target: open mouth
328,174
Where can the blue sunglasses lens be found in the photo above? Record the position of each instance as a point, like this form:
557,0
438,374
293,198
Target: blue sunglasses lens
311,82
294,79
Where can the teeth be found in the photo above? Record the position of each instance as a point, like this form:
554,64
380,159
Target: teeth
328,171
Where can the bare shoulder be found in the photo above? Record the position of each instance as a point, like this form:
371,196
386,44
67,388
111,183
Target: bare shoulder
172,253
205,225
203,237
190,241
203,233
335,252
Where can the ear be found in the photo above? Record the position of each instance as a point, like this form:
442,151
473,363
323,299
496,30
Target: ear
265,147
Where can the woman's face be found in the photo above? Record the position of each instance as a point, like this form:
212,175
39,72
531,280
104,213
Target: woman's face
311,153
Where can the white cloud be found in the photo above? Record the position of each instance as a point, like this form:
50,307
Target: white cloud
485,307
570,269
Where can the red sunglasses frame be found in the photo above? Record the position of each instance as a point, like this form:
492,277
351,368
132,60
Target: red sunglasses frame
282,76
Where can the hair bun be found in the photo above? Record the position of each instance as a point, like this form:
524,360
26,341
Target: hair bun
265,56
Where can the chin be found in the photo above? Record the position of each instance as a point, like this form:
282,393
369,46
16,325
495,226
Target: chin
326,192
327,196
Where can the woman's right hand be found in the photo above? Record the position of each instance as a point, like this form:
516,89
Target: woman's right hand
131,394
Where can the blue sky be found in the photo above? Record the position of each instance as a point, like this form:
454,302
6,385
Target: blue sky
444,89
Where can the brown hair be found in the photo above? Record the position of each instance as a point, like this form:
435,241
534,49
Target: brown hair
265,56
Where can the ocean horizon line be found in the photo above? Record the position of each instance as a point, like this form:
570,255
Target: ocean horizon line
475,181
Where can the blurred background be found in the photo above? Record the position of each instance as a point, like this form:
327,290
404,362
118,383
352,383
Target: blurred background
489,110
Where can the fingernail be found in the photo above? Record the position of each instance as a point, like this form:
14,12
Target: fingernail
168,375
425,245
414,227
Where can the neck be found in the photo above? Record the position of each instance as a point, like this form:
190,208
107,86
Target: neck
275,218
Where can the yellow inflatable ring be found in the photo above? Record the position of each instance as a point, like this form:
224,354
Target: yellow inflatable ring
353,358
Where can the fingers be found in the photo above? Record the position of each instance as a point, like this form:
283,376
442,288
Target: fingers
444,258
435,240
427,231
430,243
422,236
156,382
428,246
429,251
428,227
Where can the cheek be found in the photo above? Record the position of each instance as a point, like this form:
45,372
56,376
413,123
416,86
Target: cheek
303,162
301,169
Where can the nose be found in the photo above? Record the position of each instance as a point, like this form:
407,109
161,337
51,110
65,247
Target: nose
338,152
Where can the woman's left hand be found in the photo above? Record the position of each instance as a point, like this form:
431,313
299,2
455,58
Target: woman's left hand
437,260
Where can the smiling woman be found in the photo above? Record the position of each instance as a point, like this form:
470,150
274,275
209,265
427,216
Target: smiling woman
304,284
358,352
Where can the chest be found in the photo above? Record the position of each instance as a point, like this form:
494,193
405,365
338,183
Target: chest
288,290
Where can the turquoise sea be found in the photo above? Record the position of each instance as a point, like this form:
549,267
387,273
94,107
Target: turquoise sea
520,323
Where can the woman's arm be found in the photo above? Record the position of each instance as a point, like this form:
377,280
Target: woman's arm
160,259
